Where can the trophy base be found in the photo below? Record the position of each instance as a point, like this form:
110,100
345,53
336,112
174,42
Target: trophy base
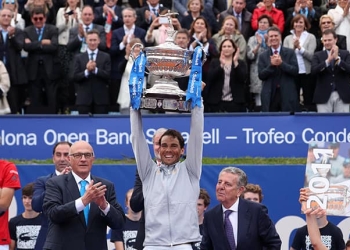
165,95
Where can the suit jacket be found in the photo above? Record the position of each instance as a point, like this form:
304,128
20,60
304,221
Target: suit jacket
340,75
101,19
117,55
74,43
246,27
67,229
283,75
341,43
141,21
255,229
37,205
14,63
94,88
238,77
38,52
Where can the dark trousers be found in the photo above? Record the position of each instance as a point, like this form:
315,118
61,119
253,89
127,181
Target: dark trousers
226,106
43,92
307,83
16,97
276,101
92,109
114,88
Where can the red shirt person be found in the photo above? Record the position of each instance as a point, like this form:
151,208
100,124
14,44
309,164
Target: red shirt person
276,15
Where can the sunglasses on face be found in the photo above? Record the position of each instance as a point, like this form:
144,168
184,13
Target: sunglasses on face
328,22
38,19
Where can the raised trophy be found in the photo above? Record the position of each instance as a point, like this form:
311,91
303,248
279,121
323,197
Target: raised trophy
169,61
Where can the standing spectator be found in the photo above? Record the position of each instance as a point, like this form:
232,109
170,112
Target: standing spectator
24,228
67,18
304,44
200,33
326,22
328,5
307,9
46,5
223,234
80,205
167,224
253,192
278,67
110,16
228,75
11,44
268,9
229,30
180,6
62,166
148,13
244,17
279,4
331,68
16,21
257,44
120,38
341,17
4,89
41,43
9,183
92,74
125,238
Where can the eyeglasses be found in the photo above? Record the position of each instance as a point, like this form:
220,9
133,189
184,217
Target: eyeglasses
327,22
38,19
78,156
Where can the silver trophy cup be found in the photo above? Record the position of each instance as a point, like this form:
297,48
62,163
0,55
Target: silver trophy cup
168,61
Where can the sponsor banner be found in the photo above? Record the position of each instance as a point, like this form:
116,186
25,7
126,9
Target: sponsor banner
280,185
23,137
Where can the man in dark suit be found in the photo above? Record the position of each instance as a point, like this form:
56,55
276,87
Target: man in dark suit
120,38
332,69
278,68
148,13
244,17
92,75
109,8
62,166
41,43
11,44
237,223
80,206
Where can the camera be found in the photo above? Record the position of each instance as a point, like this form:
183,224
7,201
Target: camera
163,20
70,12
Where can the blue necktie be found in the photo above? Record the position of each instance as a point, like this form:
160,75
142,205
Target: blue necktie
83,184
229,230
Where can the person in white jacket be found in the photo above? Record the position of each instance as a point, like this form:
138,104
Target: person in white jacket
341,17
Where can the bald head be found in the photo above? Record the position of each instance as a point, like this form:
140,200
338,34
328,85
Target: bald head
81,157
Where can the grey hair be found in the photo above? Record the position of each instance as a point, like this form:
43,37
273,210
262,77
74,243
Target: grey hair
159,131
242,177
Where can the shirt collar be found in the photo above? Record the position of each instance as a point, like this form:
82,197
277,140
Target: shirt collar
90,51
278,49
234,207
88,26
130,30
78,179
155,7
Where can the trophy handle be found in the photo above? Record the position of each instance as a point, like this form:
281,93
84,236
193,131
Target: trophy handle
132,50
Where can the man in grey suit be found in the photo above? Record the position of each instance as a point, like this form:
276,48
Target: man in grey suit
92,75
41,43
277,68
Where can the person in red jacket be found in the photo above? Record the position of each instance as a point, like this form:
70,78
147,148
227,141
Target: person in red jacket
276,15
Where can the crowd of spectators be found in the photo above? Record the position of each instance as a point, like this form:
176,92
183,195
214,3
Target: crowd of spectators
42,42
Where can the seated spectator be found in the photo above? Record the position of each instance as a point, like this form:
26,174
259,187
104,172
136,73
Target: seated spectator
228,75
306,8
277,68
326,22
125,238
229,30
201,34
125,66
304,44
238,9
17,20
4,88
268,9
341,18
47,5
24,228
253,192
257,44
195,9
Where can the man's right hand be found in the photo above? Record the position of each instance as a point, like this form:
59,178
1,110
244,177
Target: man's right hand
81,30
93,192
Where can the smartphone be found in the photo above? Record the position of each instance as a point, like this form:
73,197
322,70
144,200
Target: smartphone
70,12
163,20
